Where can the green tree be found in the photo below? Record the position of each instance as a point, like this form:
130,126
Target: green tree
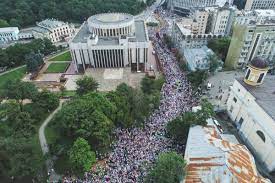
46,100
122,114
90,117
33,61
147,85
4,23
23,158
178,128
4,59
197,78
169,168
86,85
220,46
81,157
20,91
213,62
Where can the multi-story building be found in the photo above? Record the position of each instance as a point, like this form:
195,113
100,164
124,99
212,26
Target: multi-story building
200,17
253,36
259,4
184,6
8,34
54,30
251,108
111,40
197,58
220,19
185,38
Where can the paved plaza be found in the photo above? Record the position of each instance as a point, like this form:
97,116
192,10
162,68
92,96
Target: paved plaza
221,82
110,78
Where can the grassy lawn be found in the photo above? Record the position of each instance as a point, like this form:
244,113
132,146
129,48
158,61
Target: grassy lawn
17,74
63,57
57,67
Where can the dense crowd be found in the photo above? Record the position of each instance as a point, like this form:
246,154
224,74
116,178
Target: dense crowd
136,149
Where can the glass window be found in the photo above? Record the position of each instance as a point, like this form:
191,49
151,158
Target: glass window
261,135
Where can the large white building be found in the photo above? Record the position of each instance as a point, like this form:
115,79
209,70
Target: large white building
253,36
8,34
184,6
251,106
54,30
111,40
213,157
259,4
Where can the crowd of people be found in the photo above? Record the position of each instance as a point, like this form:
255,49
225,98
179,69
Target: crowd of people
136,149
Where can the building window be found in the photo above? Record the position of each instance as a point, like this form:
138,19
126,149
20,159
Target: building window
234,99
247,74
231,109
261,135
241,121
260,78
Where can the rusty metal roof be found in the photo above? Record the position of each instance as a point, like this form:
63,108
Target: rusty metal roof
211,159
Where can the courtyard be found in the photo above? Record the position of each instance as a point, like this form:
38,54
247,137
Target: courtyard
110,78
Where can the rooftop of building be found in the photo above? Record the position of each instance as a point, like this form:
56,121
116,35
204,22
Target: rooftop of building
110,18
83,34
9,29
264,94
211,158
196,54
259,63
51,23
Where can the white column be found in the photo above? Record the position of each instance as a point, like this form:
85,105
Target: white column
109,57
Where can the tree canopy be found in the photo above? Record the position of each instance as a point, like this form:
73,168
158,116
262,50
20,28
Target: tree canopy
85,85
178,128
220,46
169,168
28,12
89,117
20,54
81,157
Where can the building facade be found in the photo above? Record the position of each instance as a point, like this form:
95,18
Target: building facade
111,40
54,30
184,6
259,4
253,36
251,108
200,17
197,58
221,20
8,34
185,38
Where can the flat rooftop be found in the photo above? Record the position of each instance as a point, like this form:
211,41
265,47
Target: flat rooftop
264,94
83,34
140,31
110,18
9,29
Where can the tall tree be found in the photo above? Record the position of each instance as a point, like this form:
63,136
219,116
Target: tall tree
169,168
81,156
4,23
33,61
213,62
19,91
85,85
46,100
90,117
